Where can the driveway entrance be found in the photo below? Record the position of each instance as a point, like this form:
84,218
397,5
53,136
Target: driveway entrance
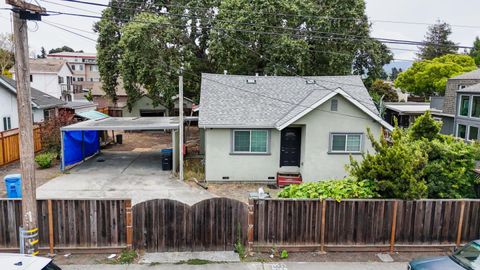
118,174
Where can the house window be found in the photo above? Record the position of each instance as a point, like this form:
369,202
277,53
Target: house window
462,131
461,86
346,143
464,105
476,106
73,67
7,123
31,78
80,79
93,68
334,105
250,141
60,79
80,67
473,133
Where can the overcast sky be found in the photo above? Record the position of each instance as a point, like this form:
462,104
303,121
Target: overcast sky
459,13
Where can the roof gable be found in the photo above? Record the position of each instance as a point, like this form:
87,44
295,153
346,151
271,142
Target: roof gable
472,75
274,101
40,99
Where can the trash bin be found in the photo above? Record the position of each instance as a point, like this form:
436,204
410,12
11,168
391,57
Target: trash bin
167,155
13,185
119,138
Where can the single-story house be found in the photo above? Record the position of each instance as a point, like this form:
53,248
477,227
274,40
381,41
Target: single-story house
43,105
258,126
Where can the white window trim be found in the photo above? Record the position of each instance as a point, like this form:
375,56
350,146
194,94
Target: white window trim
249,152
460,105
330,146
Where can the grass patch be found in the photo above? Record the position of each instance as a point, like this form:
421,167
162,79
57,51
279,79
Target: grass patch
196,262
194,168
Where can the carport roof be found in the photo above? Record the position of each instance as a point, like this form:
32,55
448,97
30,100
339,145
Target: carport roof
126,123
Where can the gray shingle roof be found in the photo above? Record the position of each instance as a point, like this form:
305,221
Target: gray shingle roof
471,88
40,99
229,101
472,75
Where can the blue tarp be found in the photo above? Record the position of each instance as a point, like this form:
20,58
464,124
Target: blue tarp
78,145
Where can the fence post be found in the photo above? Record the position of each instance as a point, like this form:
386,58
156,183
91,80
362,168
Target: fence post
250,228
50,227
322,228
3,149
394,227
129,223
460,224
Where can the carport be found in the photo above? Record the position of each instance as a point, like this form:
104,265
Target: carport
81,140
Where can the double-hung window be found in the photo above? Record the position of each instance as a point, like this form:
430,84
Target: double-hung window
346,142
462,131
7,123
464,105
250,141
476,106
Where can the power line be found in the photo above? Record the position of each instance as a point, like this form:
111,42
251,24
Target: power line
78,29
313,37
76,8
277,14
71,32
357,37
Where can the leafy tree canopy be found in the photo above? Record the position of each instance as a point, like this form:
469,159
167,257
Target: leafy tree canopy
63,49
381,88
6,52
437,42
430,77
475,52
245,37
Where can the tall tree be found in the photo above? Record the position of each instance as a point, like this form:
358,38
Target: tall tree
43,53
151,59
437,42
244,37
429,77
394,74
6,52
475,52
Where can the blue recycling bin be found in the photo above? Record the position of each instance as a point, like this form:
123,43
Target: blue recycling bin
167,159
13,185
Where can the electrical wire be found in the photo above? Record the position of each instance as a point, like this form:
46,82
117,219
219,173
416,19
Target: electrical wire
69,31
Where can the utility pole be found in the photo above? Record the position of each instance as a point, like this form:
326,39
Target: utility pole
22,12
180,119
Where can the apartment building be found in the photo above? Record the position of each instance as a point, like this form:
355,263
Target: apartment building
83,65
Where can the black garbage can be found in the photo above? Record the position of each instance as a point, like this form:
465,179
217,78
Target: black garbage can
119,138
167,156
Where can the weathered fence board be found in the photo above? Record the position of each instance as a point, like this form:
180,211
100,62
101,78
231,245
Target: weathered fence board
9,145
169,225
364,223
76,223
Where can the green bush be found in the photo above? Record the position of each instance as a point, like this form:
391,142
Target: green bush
45,160
284,254
334,189
418,162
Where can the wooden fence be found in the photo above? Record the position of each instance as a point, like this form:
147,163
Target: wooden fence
363,224
111,111
70,224
169,225
10,145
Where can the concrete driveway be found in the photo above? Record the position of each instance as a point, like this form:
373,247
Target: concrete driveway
122,175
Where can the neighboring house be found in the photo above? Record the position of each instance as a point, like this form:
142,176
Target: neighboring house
43,105
256,127
83,65
77,107
52,77
452,110
467,117
406,112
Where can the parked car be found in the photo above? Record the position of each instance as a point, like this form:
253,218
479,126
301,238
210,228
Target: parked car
9,261
465,258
